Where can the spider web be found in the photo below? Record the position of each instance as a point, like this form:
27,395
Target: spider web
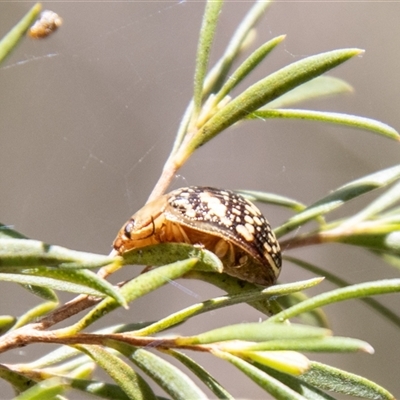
92,113
88,114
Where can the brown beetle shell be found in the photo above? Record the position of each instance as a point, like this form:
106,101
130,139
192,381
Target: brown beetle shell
220,220
47,23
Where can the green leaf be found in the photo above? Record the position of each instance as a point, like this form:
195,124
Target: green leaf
371,302
167,253
263,92
27,252
308,391
287,361
258,332
314,89
351,292
207,33
387,199
100,389
68,280
18,381
325,344
55,284
340,196
315,317
60,355
10,41
372,240
42,292
351,121
249,296
48,389
6,322
391,259
233,285
134,289
271,198
246,67
218,73
271,385
177,384
129,381
79,368
35,313
339,381
219,391
7,233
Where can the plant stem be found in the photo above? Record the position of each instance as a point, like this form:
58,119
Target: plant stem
168,173
301,241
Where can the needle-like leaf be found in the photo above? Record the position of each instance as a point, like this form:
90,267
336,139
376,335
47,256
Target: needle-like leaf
351,121
10,41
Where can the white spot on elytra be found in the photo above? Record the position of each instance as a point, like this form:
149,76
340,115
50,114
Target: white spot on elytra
226,221
250,228
252,209
267,247
190,213
181,202
248,219
257,220
235,211
242,230
219,209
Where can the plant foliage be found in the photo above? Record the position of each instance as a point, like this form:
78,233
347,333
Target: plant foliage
270,352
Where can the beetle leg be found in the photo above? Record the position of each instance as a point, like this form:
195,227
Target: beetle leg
179,234
221,248
231,253
225,251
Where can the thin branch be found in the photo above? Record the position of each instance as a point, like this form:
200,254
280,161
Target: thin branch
301,241
25,336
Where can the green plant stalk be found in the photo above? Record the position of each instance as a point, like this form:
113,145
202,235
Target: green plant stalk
221,68
256,332
352,121
333,379
327,344
351,292
317,88
202,374
251,99
371,302
177,384
387,199
224,301
35,313
10,41
336,199
134,289
48,389
34,253
218,73
262,93
375,235
122,373
247,66
207,33
273,386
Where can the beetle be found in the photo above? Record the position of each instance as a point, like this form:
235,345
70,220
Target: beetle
47,23
219,220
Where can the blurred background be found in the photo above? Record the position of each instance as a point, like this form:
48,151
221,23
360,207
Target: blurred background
88,117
